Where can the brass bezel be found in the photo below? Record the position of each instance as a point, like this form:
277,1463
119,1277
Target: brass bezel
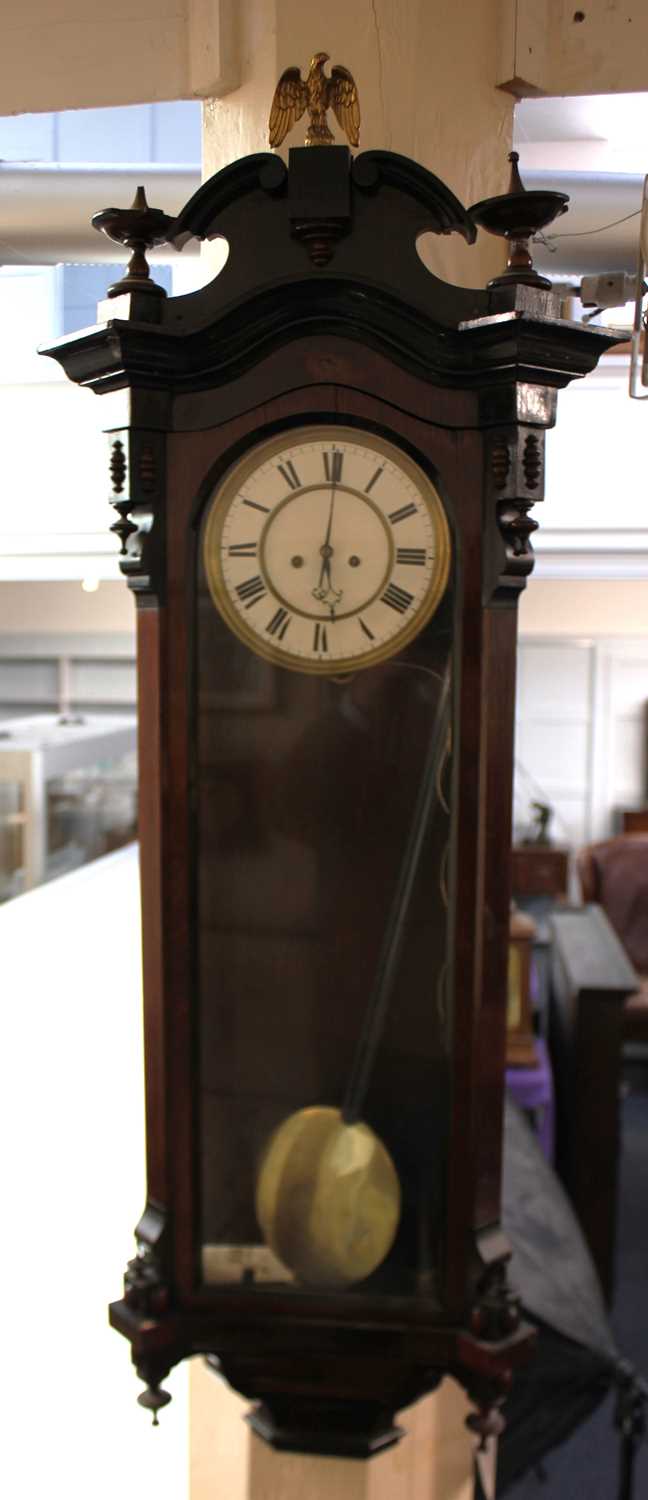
233,482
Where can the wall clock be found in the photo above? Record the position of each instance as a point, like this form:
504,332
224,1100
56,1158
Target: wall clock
326,549
322,492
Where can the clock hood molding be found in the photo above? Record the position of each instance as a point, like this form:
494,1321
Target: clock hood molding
296,237
441,212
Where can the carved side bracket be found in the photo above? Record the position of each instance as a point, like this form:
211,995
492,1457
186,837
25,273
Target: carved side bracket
146,1285
147,1298
496,1341
137,476
495,1313
515,480
145,1289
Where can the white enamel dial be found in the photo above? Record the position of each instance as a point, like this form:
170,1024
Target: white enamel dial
326,549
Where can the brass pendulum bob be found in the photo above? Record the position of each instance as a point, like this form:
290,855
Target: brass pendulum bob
328,1198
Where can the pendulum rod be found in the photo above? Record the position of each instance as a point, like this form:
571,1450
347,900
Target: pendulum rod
378,1005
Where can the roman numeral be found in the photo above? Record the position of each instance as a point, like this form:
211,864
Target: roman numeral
255,506
333,466
411,555
252,590
402,514
289,473
366,629
320,642
279,623
243,549
396,598
374,480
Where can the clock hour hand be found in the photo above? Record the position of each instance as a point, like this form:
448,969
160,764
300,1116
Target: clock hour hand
325,591
326,553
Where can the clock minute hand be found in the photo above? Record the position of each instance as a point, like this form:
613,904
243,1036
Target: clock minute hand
378,1004
325,591
326,549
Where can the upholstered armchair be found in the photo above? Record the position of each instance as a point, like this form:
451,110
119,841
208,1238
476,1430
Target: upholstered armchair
614,874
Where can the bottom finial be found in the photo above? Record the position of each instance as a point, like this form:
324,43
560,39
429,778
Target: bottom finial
153,1399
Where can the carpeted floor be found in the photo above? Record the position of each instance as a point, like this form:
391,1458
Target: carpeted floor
587,1465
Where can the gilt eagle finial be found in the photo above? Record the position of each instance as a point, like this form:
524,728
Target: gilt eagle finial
317,93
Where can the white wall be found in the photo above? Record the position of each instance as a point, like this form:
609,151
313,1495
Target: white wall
54,512
55,515
65,609
595,468
583,607
581,732
71,1104
583,653
593,521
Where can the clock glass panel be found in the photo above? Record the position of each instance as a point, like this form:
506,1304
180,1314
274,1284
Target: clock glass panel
323,835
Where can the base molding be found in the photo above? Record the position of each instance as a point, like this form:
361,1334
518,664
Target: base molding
336,1429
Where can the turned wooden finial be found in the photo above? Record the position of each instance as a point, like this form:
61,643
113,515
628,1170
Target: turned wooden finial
517,216
140,228
516,184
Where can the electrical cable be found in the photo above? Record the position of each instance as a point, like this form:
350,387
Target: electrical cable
579,234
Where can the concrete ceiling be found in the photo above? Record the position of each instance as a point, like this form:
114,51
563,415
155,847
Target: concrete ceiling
619,121
594,148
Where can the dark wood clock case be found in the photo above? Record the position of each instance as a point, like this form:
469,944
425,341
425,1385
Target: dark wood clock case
272,805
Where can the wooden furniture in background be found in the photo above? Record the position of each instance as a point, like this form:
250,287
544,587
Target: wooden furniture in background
599,1003
528,1065
614,873
591,982
533,1091
520,1046
539,870
635,820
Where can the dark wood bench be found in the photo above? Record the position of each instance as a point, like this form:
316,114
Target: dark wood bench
592,980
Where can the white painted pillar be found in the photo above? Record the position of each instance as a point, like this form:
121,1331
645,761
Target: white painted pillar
426,77
432,1462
